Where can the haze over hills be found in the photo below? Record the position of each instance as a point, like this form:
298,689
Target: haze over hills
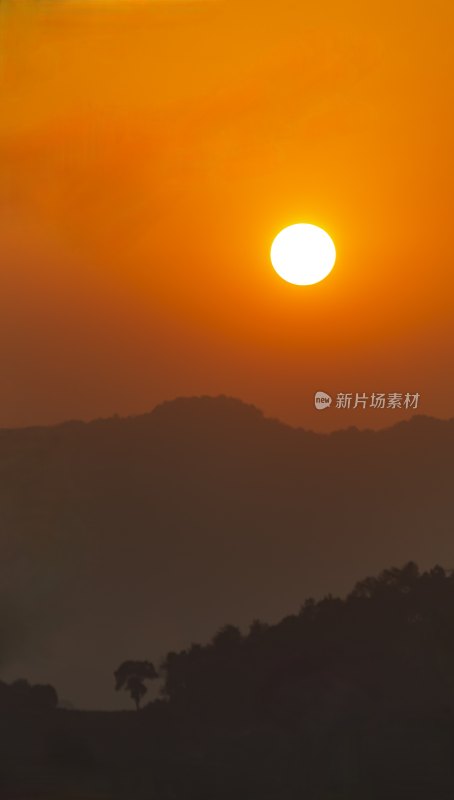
125,538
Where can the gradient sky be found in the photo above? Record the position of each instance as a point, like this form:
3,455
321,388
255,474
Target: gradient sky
151,151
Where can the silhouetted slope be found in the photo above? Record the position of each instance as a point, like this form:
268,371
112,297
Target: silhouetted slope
385,652
161,528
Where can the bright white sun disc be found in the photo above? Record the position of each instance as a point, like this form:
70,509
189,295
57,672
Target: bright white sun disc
303,254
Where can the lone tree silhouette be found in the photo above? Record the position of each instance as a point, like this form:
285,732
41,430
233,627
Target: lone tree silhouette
131,675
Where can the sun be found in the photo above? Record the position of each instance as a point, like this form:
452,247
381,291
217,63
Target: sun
303,254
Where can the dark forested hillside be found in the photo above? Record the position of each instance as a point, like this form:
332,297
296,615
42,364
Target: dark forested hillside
386,650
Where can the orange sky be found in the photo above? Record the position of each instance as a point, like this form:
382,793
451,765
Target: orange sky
149,153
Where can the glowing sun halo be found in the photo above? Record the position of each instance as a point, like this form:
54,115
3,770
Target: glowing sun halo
303,254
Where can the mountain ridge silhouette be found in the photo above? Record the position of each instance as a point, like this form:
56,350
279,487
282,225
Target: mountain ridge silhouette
224,403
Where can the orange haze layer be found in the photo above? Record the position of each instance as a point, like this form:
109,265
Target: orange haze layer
150,152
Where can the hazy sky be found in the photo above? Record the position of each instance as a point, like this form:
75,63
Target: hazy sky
150,152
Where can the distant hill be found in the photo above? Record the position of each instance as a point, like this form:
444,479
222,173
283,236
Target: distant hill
125,538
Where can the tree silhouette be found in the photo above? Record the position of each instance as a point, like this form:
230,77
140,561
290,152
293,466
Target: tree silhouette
20,695
131,675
